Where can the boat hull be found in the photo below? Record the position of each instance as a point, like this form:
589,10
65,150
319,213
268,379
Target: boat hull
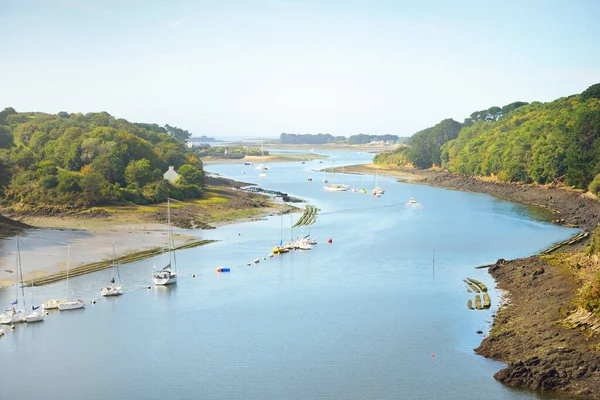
34,317
111,291
336,188
71,305
10,318
163,280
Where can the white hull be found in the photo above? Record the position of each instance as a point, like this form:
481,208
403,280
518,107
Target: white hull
35,316
71,305
336,188
377,191
165,279
12,317
111,291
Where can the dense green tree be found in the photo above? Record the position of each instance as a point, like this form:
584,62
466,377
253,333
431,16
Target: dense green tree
593,92
191,175
140,173
5,113
69,181
425,146
93,186
179,134
6,139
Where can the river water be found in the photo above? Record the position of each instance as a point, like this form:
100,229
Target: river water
379,313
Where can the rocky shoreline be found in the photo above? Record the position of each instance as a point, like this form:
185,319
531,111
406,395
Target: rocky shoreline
548,343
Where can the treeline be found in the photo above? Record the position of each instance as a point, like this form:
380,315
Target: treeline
81,160
558,141
230,152
320,138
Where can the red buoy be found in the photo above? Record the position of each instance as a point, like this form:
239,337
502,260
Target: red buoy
432,355
330,241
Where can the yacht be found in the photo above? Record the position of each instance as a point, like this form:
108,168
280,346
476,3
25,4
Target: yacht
167,275
112,289
69,304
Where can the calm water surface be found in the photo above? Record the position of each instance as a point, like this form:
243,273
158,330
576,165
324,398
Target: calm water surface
355,319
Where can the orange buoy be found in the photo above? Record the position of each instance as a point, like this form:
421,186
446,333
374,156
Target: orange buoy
218,269
330,241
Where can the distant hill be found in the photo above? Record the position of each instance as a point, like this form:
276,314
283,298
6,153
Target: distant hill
326,138
558,141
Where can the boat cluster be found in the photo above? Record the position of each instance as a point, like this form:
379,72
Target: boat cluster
305,243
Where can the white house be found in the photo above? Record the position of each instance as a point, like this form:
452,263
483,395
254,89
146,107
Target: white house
171,175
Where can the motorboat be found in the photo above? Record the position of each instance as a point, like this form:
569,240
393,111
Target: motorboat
354,190
412,201
248,163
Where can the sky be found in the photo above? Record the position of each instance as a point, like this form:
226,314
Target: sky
257,68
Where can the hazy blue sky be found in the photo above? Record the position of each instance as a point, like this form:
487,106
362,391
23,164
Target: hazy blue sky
259,68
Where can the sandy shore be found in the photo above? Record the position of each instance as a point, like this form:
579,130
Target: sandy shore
45,248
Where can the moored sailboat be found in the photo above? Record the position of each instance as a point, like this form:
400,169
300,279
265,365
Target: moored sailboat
37,312
335,187
113,289
168,274
377,191
69,304
13,314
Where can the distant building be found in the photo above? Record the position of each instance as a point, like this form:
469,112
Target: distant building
171,175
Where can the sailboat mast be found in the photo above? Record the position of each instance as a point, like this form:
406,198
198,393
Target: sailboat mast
169,235
68,260
17,274
20,272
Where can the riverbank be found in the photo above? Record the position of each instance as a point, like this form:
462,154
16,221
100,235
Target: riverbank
549,344
133,229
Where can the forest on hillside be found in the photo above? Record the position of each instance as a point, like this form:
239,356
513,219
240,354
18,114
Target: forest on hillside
552,142
80,160
326,138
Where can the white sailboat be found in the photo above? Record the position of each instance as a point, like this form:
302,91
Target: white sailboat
113,289
69,304
13,314
167,275
262,166
37,312
377,191
335,187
